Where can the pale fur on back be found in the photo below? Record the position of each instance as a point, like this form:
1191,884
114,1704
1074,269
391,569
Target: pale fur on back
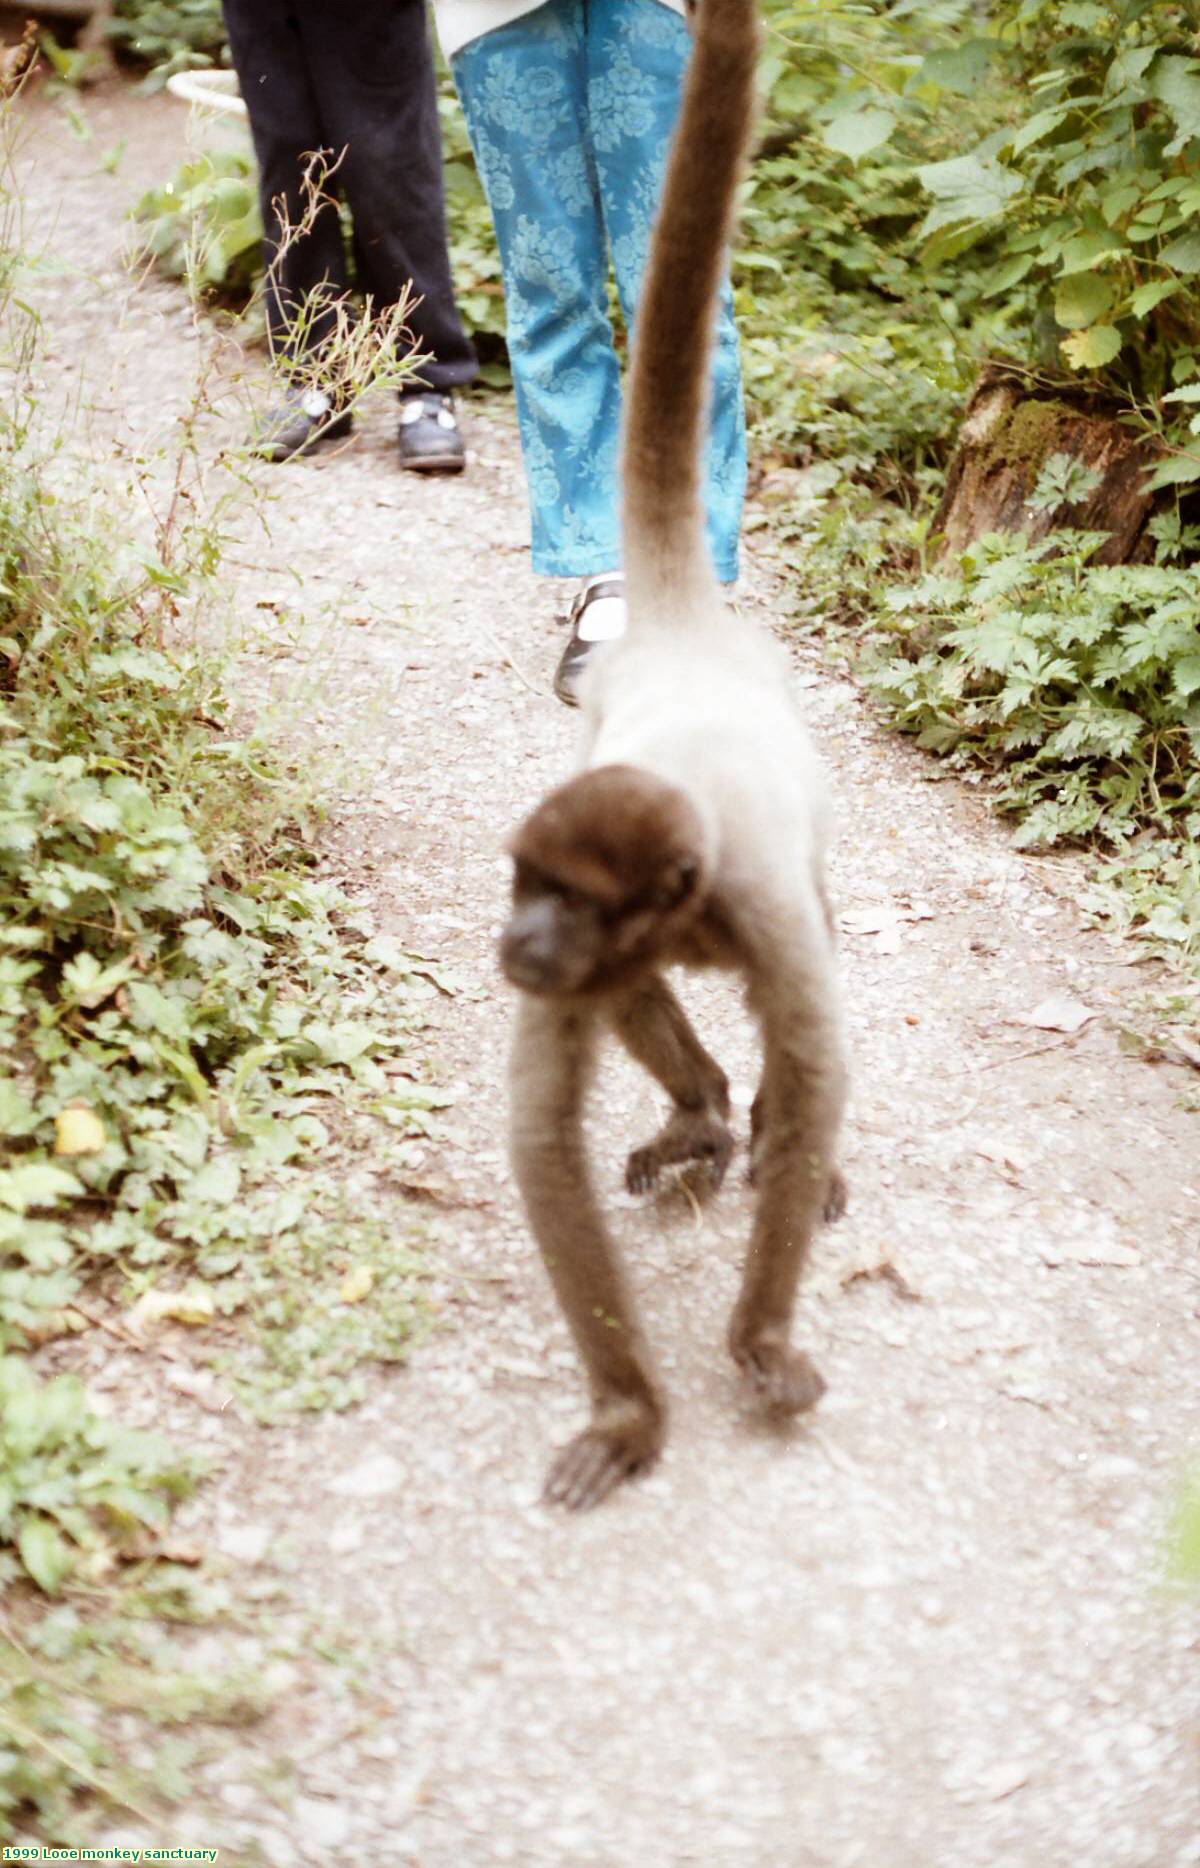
708,708
694,694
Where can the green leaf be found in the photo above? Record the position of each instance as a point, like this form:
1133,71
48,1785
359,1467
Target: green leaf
1176,83
87,983
1009,274
45,1553
1092,349
1183,254
36,1183
1087,250
1176,470
857,132
216,1184
1128,66
961,68
1148,296
1082,299
1185,676
1041,124
967,188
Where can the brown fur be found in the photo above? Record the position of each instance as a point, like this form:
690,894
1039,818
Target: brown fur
695,835
669,385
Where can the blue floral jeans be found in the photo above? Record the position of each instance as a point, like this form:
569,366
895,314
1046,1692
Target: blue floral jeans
570,110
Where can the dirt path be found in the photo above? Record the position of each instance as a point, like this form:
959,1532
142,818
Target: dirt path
923,1632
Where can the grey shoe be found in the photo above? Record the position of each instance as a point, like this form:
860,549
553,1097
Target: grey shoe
430,441
304,419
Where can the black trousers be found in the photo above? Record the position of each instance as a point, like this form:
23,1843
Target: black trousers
357,78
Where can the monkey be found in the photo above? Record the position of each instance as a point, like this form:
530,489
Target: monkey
695,834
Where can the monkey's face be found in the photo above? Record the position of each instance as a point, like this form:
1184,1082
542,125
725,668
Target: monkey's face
609,870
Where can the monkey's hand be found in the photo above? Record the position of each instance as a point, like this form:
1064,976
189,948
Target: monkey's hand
784,1379
689,1136
625,1437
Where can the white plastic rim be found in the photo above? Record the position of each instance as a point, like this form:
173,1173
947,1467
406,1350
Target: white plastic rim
211,90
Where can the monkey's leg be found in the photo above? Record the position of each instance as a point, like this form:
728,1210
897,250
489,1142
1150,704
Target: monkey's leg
655,1029
552,1058
800,1106
837,1197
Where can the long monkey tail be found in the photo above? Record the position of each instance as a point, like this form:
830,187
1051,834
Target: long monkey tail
666,423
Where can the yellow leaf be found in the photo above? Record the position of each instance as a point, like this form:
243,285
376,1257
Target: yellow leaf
356,1283
194,1304
78,1130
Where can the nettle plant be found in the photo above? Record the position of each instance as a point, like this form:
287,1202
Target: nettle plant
1077,684
1037,164
1090,198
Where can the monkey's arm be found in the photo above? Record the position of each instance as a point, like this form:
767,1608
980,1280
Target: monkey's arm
793,991
551,1064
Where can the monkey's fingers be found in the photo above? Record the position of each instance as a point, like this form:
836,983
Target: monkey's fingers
704,1140
837,1199
590,1467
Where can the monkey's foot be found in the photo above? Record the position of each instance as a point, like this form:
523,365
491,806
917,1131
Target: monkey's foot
785,1380
687,1137
589,1467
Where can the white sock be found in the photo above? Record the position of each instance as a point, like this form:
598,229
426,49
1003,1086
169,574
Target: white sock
604,618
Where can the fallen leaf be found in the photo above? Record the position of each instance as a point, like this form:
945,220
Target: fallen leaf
886,1273
78,1130
885,920
356,1284
194,1304
1060,1012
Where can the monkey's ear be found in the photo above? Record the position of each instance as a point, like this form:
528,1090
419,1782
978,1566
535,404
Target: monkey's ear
676,882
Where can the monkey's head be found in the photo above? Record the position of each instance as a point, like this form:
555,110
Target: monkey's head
609,871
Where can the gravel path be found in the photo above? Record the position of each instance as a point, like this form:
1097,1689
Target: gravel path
924,1630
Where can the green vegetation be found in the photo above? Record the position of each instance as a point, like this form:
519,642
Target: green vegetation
203,224
938,187
201,1043
169,35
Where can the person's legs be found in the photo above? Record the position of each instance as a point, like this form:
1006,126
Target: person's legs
285,122
523,91
372,73
637,51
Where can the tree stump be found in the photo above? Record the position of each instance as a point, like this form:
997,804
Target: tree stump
1009,432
